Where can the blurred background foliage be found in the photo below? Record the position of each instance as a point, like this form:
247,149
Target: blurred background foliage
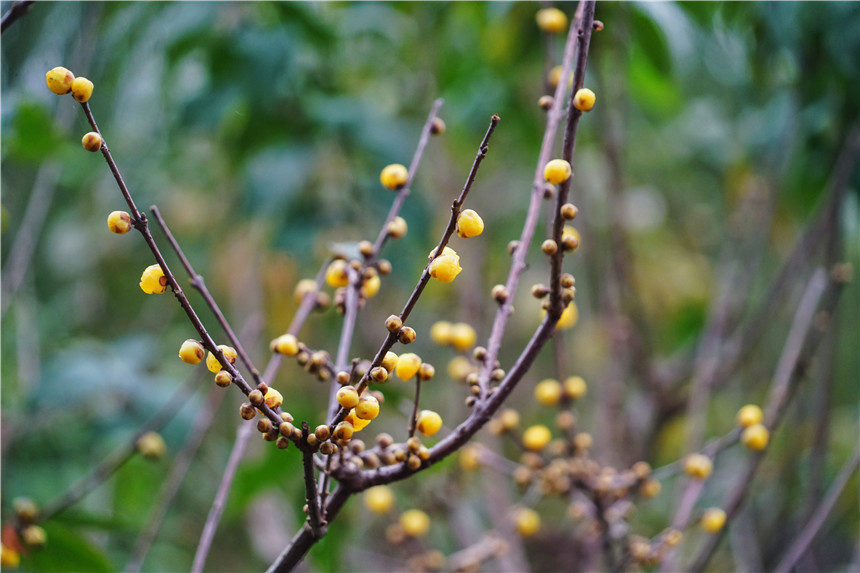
260,129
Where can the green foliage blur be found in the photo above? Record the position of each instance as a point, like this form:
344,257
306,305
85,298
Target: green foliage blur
259,129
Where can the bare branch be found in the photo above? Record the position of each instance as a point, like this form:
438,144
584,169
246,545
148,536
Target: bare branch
801,543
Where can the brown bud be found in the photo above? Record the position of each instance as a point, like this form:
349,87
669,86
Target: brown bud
512,246
393,323
570,243
569,211
247,411
567,280
282,443
322,433
255,397
384,440
264,425
406,335
437,127
383,266
545,102
365,248
414,462
549,247
286,429
500,293
540,291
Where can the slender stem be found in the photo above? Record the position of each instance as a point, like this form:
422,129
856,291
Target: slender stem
425,275
245,431
243,434
177,474
413,420
112,463
17,10
518,264
199,283
798,350
801,543
404,191
302,542
314,514
141,224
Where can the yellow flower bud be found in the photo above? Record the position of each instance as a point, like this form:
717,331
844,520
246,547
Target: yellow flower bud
583,100
336,274
92,141
527,522
347,397
415,523
551,20
429,422
469,224
379,499
273,398
698,466
536,437
445,268
286,344
151,445
749,415
557,171
191,351
713,520
575,387
119,222
82,89
367,408
548,392
394,176
755,437
153,281
463,336
60,80
440,332
407,366
229,353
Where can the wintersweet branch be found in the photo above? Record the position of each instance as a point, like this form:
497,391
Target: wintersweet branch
112,463
518,264
141,224
389,341
246,430
799,349
199,283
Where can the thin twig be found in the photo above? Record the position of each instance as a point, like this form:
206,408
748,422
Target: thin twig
174,479
17,10
413,419
243,434
312,496
245,431
425,275
141,224
199,283
404,191
518,263
113,462
801,543
798,350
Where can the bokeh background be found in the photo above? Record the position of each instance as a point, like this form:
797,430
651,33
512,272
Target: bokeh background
260,129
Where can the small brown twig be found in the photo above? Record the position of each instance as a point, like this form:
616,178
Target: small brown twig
518,263
245,431
113,462
801,543
18,9
174,479
404,191
141,224
198,282
413,419
798,350
314,515
425,275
